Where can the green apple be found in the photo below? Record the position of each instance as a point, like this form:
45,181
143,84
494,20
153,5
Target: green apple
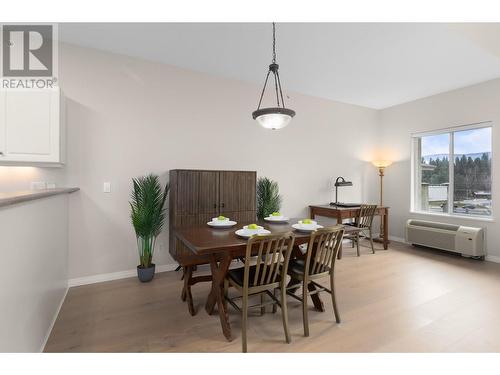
253,226
307,221
221,218
275,214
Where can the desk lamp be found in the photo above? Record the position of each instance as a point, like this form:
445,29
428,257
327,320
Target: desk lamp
340,181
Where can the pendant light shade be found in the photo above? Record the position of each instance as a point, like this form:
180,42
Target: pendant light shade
273,117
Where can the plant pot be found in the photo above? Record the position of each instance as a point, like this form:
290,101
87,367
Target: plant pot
146,274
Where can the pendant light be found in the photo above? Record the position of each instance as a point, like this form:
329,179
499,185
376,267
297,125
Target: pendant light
273,117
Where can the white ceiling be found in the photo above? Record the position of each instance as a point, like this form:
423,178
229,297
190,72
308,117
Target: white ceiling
376,65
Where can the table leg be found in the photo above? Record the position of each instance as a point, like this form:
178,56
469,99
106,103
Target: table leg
386,229
318,304
293,285
216,295
339,221
186,292
312,214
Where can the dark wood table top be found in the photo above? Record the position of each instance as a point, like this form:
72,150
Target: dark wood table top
204,239
338,207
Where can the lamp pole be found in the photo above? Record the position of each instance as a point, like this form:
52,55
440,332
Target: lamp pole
381,165
381,174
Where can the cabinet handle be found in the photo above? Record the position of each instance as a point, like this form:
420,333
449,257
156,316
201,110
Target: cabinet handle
222,205
1,153
215,205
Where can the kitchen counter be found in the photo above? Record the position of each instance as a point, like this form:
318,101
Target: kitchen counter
15,197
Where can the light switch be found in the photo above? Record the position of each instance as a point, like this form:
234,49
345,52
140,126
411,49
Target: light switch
107,187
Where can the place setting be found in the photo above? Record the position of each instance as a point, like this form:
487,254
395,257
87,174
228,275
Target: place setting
306,225
251,230
221,222
277,218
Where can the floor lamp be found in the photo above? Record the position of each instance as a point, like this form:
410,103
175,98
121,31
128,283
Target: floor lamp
381,165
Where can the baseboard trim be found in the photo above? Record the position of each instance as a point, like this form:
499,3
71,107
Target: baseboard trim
493,258
86,280
49,331
397,239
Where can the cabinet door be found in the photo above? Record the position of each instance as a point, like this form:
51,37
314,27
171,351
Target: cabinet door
31,122
2,125
187,201
237,191
208,192
197,192
242,217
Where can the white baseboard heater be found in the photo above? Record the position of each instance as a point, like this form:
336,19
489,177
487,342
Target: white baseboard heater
468,241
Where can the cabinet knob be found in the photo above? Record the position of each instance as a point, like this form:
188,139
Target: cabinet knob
215,205
222,205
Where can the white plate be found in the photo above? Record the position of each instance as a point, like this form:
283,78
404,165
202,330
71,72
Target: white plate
222,224
309,228
247,233
277,219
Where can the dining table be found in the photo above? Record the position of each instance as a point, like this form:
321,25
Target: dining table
222,246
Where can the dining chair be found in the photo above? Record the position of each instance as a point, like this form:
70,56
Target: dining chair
262,275
363,222
319,262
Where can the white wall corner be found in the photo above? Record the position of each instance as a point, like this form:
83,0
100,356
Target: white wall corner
49,330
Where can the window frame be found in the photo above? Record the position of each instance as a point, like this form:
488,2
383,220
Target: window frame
416,172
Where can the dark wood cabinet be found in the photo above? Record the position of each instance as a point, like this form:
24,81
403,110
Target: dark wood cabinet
188,183
237,191
196,196
208,192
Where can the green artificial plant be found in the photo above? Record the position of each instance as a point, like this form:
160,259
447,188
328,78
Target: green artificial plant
147,214
268,197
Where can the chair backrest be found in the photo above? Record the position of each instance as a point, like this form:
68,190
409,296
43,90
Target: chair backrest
272,251
365,216
323,249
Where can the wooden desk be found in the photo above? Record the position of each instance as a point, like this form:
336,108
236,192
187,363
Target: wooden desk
341,213
222,246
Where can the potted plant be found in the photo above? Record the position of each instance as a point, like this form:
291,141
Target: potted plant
268,197
148,216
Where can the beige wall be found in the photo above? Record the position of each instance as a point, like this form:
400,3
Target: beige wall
460,107
127,117
34,276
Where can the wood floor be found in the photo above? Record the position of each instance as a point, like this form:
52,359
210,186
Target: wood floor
401,300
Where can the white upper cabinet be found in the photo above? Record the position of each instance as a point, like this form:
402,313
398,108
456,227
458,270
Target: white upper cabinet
31,126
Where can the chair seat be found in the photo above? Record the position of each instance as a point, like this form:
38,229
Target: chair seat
237,274
296,267
353,226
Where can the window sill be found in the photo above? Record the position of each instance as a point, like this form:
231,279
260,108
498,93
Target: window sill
489,219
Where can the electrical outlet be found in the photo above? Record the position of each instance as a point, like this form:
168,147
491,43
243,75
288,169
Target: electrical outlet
38,185
106,187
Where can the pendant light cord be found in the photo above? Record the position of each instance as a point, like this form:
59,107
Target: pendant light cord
274,43
277,82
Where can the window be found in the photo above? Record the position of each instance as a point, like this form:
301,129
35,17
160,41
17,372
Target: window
452,171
